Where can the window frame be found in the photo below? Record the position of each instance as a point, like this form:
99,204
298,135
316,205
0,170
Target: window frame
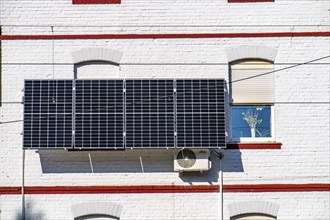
270,139
255,139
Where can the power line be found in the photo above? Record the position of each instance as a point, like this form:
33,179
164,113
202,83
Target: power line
274,71
247,78
150,64
163,25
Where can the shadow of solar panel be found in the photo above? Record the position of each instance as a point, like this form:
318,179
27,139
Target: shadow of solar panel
99,114
149,114
47,114
200,114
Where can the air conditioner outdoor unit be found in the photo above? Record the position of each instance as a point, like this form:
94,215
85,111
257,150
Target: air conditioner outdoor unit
192,160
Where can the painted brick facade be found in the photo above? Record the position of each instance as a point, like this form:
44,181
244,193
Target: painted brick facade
301,103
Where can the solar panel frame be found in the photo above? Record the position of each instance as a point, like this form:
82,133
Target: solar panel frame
51,111
201,124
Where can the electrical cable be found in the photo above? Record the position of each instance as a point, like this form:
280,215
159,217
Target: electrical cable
149,64
290,67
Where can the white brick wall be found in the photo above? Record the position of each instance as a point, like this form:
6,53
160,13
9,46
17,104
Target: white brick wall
303,129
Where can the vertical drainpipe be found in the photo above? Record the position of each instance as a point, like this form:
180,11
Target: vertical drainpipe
22,190
220,155
221,185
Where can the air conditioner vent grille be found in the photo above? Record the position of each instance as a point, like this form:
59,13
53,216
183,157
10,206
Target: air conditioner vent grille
186,158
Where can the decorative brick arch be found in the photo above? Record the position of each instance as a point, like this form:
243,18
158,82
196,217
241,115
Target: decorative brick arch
239,208
251,52
96,208
96,54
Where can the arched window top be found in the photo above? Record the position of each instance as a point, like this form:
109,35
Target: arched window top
251,52
96,54
95,209
267,209
253,216
251,64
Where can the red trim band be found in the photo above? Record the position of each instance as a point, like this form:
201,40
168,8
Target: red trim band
245,1
110,189
278,188
162,36
8,190
165,189
95,1
234,146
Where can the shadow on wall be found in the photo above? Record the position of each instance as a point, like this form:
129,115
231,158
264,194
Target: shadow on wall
232,162
131,161
31,213
128,161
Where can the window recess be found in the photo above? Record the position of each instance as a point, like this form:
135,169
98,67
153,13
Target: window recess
252,89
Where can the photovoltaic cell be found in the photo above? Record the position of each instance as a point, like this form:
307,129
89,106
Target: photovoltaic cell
149,114
47,114
200,114
99,114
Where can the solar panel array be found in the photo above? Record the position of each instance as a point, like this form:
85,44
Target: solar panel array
48,114
114,114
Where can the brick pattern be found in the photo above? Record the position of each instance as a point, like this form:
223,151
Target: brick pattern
262,207
100,208
251,52
96,54
301,101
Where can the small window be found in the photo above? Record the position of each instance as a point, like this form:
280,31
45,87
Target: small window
251,122
96,1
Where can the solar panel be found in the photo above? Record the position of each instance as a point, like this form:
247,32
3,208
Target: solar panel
149,114
47,114
114,114
200,114
99,114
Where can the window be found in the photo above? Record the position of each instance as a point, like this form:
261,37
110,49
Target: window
251,122
252,99
96,1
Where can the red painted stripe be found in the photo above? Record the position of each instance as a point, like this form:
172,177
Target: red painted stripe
121,189
8,190
243,1
278,188
234,146
95,1
162,36
165,189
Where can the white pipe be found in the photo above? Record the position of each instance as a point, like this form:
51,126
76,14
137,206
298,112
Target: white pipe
221,186
141,164
22,190
90,162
